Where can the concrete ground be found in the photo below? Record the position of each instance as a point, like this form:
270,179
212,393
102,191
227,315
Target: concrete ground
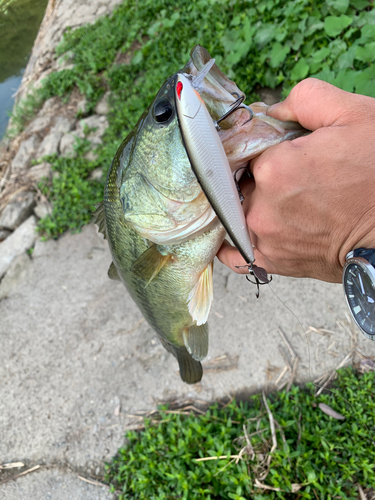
77,359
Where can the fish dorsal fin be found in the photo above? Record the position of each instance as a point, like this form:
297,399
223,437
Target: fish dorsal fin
196,341
113,273
201,296
100,219
150,263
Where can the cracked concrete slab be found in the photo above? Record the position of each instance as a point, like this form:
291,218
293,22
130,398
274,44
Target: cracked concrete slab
53,484
76,356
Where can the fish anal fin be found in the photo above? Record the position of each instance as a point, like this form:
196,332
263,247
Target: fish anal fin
150,263
196,341
99,217
201,296
113,273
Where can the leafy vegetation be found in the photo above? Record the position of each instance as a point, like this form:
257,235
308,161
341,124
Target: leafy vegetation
323,457
258,43
73,197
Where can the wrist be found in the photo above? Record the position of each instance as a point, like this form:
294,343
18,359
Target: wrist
362,237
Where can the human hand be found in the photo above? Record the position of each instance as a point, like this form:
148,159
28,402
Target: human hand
312,199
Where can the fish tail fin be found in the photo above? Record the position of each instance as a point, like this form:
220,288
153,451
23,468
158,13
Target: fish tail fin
191,371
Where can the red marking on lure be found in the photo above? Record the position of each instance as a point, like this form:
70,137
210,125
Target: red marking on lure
178,89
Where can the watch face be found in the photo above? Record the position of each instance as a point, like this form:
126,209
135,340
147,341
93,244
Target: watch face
360,293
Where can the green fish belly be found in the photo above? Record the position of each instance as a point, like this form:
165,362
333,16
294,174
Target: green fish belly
164,300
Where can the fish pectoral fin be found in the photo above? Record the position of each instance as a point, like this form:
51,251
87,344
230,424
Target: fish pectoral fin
196,341
201,296
113,273
100,219
150,263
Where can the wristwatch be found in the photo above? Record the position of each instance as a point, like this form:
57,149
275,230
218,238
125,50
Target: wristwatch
359,286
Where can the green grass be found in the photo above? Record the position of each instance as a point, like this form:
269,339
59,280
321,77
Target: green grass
326,457
258,43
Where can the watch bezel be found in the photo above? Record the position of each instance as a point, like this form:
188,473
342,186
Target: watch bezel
369,269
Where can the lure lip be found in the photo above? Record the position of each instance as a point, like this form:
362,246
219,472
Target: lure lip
210,164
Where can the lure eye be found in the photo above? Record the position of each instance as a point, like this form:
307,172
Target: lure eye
163,110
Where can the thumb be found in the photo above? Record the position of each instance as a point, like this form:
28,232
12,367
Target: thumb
314,104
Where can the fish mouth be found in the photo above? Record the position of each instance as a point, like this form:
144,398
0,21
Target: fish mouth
242,138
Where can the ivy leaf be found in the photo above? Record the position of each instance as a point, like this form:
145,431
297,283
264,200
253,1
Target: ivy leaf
366,17
360,4
265,34
278,54
365,82
367,34
297,41
366,53
340,5
345,80
334,25
321,54
337,47
300,70
312,28
346,59
235,49
326,75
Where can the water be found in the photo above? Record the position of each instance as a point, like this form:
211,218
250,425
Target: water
19,25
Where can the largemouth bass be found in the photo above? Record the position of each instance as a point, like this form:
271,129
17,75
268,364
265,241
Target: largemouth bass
162,231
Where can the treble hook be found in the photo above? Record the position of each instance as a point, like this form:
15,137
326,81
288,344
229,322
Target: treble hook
240,195
260,276
237,104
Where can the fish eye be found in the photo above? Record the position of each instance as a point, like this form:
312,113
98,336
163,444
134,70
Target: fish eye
163,110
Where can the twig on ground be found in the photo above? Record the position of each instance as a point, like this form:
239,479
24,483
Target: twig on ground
282,385
331,345
293,354
93,481
360,353
321,378
36,467
347,357
362,495
225,466
274,438
322,331
11,465
221,457
282,373
295,487
281,351
249,445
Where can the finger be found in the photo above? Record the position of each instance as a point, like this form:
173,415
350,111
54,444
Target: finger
314,104
231,257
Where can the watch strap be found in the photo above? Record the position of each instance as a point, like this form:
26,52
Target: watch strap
365,253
